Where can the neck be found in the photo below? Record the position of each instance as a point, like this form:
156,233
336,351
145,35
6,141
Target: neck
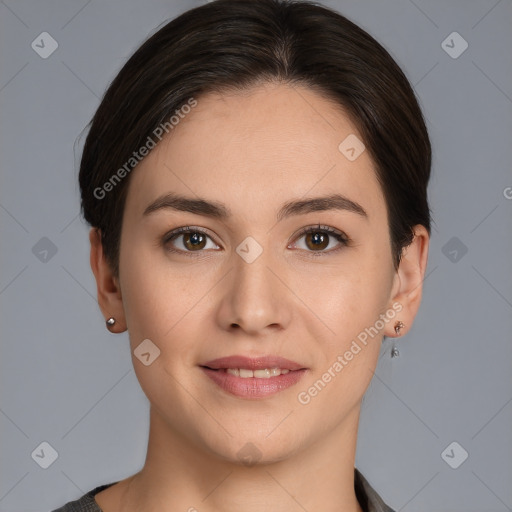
177,475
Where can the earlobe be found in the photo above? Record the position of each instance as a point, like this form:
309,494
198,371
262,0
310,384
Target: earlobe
107,284
408,284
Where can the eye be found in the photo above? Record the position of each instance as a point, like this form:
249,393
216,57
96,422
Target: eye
319,238
188,239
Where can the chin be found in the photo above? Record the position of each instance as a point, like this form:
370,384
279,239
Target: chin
253,450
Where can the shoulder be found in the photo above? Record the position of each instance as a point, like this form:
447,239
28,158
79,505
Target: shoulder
367,496
86,503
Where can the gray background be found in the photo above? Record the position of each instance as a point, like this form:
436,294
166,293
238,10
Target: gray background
67,381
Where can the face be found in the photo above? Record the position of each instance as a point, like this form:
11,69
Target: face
253,275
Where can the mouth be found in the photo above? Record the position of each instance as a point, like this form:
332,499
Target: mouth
246,373
253,378
253,363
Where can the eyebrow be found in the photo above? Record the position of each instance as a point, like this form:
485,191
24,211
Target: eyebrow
220,211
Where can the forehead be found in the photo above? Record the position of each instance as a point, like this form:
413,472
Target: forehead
259,148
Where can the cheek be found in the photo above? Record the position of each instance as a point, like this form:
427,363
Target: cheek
153,298
347,295
350,303
167,303
159,303
350,300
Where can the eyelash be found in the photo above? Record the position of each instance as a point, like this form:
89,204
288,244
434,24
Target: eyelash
341,237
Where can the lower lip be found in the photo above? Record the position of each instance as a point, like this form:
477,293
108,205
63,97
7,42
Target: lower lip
253,387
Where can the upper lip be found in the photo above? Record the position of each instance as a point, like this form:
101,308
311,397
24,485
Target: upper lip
253,363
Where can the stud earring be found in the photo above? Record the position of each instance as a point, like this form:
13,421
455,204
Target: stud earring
110,322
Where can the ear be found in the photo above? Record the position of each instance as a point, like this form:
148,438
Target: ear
109,291
408,281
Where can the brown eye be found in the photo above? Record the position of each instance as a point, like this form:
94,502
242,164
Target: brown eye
318,239
188,240
193,241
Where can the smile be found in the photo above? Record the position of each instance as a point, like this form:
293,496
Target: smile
244,373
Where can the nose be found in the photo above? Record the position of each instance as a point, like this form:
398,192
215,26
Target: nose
254,298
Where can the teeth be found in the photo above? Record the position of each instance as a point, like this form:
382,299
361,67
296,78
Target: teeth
260,374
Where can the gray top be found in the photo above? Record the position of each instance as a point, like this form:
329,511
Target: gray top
368,498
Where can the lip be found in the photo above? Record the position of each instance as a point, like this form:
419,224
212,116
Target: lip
253,363
253,387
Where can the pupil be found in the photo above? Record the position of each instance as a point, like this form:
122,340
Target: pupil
194,240
318,240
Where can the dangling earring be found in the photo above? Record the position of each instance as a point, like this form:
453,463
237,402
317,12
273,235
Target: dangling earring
398,327
110,322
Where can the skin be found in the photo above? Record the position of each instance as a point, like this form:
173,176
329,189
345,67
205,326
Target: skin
291,301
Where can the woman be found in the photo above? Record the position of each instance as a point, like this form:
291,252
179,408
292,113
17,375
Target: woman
256,182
